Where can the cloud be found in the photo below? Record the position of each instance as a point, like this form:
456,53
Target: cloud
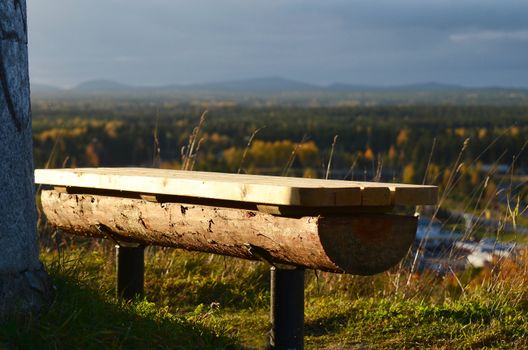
489,35
371,42
127,59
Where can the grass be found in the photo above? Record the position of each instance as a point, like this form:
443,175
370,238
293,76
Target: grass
85,314
202,301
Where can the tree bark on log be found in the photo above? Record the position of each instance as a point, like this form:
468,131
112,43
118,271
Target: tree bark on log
362,244
24,283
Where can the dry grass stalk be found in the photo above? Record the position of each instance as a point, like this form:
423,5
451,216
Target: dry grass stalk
247,148
449,187
293,154
327,175
190,150
379,168
429,161
156,158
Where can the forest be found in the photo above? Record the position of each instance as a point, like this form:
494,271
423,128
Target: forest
411,144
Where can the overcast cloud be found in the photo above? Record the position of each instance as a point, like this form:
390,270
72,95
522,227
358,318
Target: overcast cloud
477,42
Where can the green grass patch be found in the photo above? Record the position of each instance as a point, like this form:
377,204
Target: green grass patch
202,301
86,315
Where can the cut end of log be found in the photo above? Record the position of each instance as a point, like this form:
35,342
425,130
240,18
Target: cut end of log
367,244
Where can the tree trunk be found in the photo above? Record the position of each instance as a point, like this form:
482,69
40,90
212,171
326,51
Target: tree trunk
24,283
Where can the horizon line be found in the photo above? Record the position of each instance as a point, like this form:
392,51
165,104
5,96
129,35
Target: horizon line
241,80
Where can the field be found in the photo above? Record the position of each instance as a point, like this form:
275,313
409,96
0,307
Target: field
475,154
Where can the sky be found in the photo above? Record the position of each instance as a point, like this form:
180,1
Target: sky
374,42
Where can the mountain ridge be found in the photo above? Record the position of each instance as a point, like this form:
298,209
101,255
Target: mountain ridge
280,91
260,84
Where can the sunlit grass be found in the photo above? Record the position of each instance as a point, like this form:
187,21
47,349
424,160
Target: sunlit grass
86,315
200,301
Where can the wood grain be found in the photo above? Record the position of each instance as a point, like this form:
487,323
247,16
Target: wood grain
361,244
272,190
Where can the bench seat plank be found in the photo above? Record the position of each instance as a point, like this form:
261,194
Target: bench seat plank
272,190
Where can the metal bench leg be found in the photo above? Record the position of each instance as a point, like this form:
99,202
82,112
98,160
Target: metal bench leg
130,266
287,308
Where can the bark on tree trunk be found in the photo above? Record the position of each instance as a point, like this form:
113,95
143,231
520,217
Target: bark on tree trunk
24,284
360,243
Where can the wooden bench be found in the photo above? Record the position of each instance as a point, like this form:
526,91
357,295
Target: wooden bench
291,223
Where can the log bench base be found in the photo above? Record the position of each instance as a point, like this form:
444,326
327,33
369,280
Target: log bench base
361,244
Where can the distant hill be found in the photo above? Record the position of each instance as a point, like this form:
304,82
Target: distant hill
269,84
44,89
286,91
424,87
95,86
430,86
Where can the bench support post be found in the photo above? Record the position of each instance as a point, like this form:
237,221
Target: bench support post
287,308
130,266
